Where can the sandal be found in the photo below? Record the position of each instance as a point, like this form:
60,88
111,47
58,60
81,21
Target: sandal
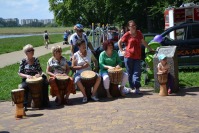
68,102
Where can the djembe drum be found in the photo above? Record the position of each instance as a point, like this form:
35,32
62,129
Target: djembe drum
115,76
35,85
62,82
162,79
18,98
88,79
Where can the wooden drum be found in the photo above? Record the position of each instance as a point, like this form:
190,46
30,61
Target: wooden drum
35,85
18,98
62,82
88,79
115,76
162,79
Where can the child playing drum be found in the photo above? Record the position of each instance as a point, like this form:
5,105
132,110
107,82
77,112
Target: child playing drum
163,67
82,61
57,66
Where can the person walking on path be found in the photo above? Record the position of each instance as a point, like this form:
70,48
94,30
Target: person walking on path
66,34
46,38
133,40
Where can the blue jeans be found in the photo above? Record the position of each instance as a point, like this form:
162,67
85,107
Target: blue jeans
133,68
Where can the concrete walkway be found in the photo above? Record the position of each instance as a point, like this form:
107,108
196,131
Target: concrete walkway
14,57
150,113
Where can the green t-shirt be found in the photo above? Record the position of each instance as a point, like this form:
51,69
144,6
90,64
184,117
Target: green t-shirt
113,61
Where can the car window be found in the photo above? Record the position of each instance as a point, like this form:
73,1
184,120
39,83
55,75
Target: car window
177,34
194,32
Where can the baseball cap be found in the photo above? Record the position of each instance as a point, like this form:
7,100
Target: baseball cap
79,27
161,57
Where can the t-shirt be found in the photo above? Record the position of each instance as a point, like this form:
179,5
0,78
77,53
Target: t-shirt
56,66
73,39
133,45
26,68
80,60
113,61
46,35
66,34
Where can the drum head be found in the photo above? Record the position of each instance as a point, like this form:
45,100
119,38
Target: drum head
115,70
88,74
62,77
34,80
17,90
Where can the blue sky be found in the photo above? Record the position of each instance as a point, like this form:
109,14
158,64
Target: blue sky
25,9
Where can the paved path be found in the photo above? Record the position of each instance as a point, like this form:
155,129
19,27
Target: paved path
149,113
14,57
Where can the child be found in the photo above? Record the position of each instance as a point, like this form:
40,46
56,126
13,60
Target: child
163,67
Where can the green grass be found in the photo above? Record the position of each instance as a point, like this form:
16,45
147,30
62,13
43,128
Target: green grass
29,30
9,78
8,45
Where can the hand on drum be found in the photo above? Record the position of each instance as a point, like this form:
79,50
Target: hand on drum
29,77
110,67
37,75
85,65
118,66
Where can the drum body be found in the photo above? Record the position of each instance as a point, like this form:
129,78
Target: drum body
35,85
62,82
115,76
18,98
162,79
88,79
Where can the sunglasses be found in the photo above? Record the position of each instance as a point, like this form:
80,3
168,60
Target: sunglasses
30,50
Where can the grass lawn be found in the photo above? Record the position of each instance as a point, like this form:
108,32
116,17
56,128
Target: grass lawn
32,30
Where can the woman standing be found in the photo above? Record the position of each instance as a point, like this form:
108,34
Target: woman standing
110,59
57,66
133,40
82,61
29,67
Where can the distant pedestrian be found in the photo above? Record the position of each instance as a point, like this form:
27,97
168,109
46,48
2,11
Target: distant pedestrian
66,34
46,38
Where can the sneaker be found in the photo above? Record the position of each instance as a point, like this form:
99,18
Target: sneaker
84,99
137,91
94,98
